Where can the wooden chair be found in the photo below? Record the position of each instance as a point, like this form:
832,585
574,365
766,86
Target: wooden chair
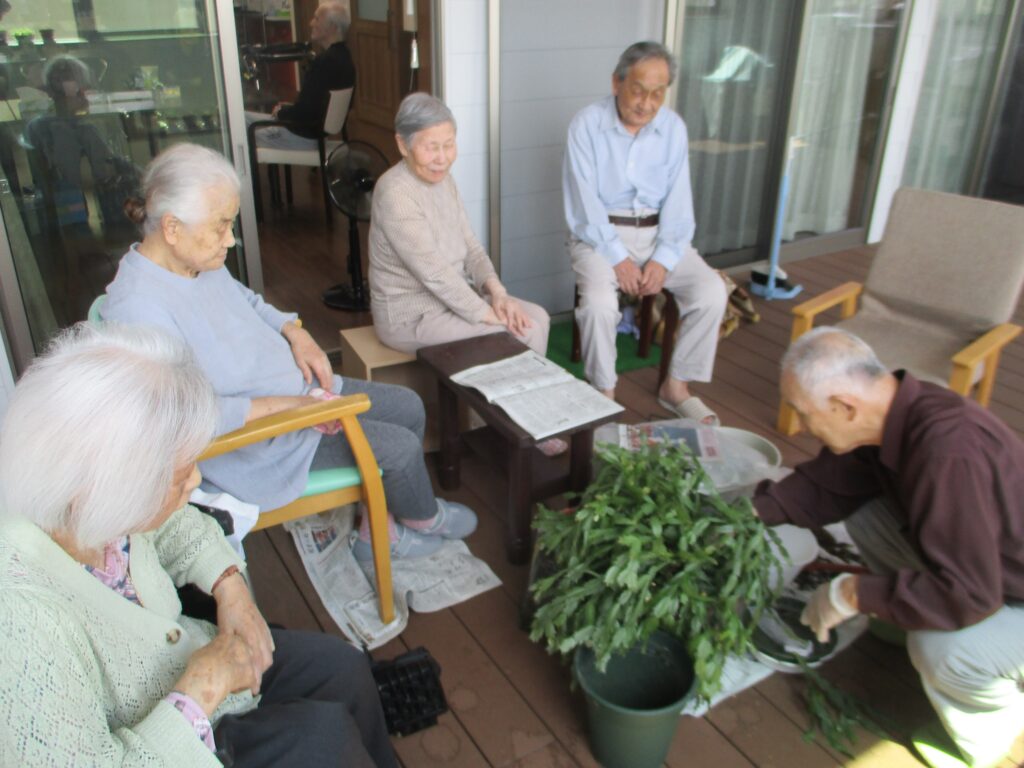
325,488
939,295
334,121
328,488
647,327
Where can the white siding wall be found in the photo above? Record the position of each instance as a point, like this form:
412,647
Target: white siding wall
465,91
557,56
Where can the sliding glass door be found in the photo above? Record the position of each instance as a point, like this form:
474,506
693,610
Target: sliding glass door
89,97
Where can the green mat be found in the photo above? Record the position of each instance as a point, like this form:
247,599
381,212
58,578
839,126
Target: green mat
560,351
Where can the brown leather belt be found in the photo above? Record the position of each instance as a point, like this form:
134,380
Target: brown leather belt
635,221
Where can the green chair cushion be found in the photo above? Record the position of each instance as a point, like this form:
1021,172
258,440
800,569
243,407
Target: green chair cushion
324,480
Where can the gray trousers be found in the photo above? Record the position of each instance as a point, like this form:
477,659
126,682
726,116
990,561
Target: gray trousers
319,707
698,290
394,428
974,677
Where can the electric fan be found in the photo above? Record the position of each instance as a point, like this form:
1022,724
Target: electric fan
352,171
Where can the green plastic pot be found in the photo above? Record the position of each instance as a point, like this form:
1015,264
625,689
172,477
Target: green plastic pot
633,707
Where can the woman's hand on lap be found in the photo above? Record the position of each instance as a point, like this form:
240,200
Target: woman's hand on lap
222,666
312,360
238,615
511,314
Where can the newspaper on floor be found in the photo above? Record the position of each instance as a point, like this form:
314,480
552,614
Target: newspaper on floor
538,395
449,576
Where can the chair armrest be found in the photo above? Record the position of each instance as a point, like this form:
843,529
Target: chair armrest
287,421
993,341
804,313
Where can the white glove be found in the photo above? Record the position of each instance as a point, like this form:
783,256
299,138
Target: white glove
827,608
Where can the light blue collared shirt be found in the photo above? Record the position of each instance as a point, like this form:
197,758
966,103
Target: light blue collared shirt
607,168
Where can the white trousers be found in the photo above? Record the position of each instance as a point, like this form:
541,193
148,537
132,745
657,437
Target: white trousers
974,677
699,292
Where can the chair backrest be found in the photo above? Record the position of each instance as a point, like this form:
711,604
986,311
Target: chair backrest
337,111
949,259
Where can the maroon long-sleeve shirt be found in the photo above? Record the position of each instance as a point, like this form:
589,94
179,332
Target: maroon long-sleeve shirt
956,473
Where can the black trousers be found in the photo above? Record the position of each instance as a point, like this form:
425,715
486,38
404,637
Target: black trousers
319,707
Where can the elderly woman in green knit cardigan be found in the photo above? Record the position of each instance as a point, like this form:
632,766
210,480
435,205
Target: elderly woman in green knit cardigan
97,461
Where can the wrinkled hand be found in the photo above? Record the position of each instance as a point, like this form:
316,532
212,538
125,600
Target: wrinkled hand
220,667
653,278
821,614
238,615
312,360
629,276
511,314
277,108
328,427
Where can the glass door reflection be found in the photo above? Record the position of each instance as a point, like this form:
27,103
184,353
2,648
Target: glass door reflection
86,103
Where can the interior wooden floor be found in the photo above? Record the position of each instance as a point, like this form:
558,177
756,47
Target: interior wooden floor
511,704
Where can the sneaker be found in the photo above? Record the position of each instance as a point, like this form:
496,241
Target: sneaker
452,521
408,546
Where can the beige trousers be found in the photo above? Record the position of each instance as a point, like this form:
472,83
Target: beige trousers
699,292
443,325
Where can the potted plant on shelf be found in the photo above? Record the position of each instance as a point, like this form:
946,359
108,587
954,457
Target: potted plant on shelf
650,567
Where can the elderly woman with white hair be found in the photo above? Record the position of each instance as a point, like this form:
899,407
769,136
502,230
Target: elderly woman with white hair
97,459
261,361
431,280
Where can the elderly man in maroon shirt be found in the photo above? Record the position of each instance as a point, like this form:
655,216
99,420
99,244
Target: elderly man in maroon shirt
931,489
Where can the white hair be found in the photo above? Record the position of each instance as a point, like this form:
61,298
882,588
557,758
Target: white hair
419,111
176,182
337,15
827,360
97,427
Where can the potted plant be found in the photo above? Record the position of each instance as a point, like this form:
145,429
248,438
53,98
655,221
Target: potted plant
652,551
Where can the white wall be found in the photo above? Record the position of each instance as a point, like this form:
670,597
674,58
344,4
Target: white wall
464,70
557,56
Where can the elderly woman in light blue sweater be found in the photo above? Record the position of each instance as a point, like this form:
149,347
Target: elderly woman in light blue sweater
99,667
260,360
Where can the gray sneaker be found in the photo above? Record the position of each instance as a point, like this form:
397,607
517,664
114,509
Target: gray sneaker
409,546
452,521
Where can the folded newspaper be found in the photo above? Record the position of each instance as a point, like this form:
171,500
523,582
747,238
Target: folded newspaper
449,576
537,394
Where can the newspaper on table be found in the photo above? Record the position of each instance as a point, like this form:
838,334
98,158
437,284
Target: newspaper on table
449,576
538,395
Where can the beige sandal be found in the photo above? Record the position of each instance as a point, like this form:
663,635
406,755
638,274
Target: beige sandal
692,408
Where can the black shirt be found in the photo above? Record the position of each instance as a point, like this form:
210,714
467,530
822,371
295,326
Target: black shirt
332,70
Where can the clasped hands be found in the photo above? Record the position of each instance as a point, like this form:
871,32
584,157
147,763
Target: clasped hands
635,281
507,311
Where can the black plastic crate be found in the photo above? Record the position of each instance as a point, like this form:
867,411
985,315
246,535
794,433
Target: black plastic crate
410,691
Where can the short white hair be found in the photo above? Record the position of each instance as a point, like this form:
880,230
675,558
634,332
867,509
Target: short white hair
419,111
828,360
336,14
96,428
176,182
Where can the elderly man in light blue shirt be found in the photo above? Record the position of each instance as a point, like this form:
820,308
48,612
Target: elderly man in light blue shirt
628,204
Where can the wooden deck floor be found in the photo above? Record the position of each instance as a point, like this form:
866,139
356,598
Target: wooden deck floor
510,702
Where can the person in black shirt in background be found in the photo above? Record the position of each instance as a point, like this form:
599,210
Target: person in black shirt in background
331,70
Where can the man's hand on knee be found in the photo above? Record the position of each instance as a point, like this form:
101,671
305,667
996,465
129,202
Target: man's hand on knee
629,276
653,279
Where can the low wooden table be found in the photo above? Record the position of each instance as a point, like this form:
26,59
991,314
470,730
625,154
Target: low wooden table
531,475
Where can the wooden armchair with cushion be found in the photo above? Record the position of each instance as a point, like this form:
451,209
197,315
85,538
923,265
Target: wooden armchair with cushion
940,293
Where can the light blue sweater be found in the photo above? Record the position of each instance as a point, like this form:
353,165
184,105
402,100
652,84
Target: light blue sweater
236,336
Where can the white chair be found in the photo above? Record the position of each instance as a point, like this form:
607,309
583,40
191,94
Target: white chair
334,121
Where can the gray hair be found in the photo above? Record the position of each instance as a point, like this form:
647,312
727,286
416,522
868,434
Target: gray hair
176,182
64,68
638,52
96,428
827,359
419,111
337,15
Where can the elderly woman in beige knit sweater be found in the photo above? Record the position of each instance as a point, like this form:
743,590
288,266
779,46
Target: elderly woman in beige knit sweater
431,280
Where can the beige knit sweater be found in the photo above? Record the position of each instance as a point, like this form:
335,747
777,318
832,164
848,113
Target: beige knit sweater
84,671
423,253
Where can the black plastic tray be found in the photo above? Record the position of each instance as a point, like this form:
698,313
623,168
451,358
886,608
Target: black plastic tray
410,691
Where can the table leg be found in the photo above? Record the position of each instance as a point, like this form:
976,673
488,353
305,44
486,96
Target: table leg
448,472
581,465
520,504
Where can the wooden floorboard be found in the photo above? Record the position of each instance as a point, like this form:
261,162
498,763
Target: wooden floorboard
511,702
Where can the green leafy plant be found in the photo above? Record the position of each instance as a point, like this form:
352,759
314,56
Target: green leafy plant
653,546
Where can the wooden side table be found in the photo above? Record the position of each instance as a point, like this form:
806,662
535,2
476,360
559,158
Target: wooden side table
531,476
